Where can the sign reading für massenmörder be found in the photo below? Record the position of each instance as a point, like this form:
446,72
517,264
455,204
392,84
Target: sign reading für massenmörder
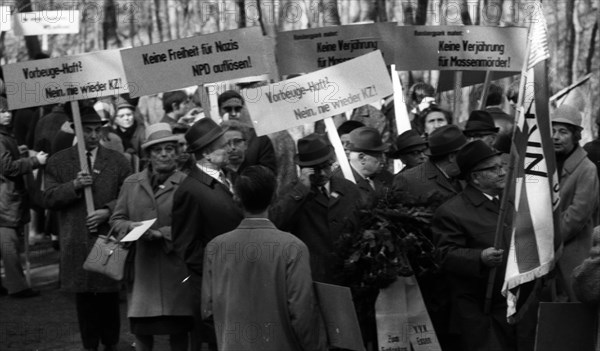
319,95
309,50
460,48
69,78
196,60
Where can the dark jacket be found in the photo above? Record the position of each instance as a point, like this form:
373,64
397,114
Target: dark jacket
260,151
202,209
318,221
368,196
14,209
109,171
424,180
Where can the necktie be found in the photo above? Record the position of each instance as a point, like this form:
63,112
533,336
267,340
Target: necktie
225,181
371,183
88,156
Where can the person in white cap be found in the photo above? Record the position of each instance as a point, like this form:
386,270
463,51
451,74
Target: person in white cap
578,192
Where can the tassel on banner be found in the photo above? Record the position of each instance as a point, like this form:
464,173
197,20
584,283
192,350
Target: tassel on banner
402,319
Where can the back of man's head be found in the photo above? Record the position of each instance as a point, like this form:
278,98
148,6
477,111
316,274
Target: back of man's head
255,188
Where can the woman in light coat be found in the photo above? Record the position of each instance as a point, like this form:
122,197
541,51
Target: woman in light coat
160,302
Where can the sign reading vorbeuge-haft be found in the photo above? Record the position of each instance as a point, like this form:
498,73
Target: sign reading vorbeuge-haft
319,95
196,60
457,48
46,22
58,80
308,50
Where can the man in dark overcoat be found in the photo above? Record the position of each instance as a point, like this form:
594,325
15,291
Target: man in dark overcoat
464,230
97,296
203,208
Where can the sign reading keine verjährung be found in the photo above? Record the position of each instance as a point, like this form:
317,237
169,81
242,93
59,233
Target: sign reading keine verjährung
196,60
308,50
46,22
59,80
460,48
319,95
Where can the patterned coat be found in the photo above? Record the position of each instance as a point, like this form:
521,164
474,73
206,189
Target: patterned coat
110,170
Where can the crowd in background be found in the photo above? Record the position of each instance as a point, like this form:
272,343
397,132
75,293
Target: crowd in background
161,157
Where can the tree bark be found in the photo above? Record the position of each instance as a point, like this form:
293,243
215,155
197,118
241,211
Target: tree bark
159,24
110,25
32,42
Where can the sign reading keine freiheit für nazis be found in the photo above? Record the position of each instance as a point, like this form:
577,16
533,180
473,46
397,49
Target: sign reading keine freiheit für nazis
69,78
196,60
319,94
460,48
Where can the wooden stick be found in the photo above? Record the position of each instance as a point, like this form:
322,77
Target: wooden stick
89,200
486,88
335,140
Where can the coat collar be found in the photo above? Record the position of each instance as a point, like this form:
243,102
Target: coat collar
573,161
477,198
432,172
250,223
209,181
173,181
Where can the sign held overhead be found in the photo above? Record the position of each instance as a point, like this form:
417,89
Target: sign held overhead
46,22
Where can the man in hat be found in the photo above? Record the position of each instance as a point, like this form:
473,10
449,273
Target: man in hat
203,207
438,173
464,231
365,154
480,126
410,149
97,296
578,191
317,207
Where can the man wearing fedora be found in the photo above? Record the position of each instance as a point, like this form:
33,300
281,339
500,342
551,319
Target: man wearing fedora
410,148
480,126
464,231
578,191
366,156
203,207
438,174
317,207
97,296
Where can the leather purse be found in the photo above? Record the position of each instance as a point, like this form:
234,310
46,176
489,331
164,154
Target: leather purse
107,257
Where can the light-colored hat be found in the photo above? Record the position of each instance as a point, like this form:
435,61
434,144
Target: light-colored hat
568,115
159,133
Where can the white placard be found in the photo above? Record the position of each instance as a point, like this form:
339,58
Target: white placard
5,19
138,231
46,22
69,78
317,95
197,60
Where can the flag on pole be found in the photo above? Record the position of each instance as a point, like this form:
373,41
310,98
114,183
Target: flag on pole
535,239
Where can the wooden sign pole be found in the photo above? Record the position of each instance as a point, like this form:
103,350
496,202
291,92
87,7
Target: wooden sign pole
89,200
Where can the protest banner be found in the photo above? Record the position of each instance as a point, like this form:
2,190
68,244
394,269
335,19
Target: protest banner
197,60
315,96
5,19
69,78
46,22
303,51
468,48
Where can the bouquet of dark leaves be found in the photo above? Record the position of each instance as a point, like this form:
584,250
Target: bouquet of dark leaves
392,239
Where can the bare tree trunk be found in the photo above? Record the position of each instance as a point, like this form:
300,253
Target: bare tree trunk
31,42
421,15
167,22
331,14
110,25
464,13
159,24
408,13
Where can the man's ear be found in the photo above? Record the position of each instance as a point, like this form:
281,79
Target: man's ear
174,106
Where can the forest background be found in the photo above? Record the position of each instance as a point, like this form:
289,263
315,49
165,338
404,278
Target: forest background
573,32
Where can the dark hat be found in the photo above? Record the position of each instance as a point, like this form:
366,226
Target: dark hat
202,133
313,150
366,139
472,154
229,94
159,133
407,140
445,140
125,104
349,126
567,114
480,121
88,115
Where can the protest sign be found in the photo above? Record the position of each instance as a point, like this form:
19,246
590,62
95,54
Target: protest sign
46,22
303,51
197,60
471,48
69,78
317,95
5,19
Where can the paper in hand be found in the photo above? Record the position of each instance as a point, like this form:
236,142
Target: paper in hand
138,231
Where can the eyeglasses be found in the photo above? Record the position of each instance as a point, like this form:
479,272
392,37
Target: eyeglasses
495,168
235,142
230,109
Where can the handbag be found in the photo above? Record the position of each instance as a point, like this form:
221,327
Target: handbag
107,257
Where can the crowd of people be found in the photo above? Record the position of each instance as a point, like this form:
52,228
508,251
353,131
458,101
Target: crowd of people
246,223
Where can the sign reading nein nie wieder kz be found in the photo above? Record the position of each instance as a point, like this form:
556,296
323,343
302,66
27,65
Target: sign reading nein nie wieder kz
196,60
457,48
319,95
308,50
69,78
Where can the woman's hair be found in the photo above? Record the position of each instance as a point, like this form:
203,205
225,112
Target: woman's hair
255,188
420,120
